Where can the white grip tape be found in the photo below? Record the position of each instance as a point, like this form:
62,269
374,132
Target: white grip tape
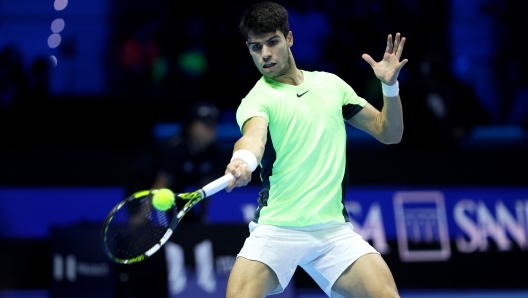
247,157
217,185
390,91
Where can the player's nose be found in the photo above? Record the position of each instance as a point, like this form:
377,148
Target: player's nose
266,53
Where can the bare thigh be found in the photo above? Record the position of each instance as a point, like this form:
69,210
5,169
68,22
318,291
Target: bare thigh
250,279
368,276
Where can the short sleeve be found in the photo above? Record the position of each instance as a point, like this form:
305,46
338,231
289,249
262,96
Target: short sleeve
352,103
251,106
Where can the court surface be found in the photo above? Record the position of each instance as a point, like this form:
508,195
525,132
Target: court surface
443,293
477,293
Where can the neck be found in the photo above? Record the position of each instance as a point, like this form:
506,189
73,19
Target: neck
293,76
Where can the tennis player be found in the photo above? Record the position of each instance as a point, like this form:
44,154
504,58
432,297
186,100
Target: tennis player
293,125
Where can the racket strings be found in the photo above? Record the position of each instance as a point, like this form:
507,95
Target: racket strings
135,228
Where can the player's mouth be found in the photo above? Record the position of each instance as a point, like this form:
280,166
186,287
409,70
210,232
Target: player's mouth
269,65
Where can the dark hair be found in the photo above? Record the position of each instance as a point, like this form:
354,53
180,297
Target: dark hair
264,17
204,111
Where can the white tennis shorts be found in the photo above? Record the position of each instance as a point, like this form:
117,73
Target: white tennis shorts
323,253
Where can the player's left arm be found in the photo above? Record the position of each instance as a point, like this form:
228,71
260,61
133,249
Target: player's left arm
385,125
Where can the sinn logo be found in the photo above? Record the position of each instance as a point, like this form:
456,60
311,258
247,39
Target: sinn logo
299,95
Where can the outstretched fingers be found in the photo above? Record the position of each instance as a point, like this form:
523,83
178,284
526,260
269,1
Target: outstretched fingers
403,62
390,46
390,64
369,59
399,42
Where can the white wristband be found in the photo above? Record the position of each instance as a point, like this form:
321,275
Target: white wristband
390,91
247,157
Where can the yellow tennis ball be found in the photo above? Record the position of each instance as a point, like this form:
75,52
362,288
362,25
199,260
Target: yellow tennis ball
163,199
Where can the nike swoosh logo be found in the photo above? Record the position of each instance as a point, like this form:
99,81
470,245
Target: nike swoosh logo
299,95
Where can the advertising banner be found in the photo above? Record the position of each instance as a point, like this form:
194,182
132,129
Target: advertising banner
423,221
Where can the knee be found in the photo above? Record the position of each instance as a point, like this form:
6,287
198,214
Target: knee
379,291
247,290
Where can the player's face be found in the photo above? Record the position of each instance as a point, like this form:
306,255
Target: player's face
271,53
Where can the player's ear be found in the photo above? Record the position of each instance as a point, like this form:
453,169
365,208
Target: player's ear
290,39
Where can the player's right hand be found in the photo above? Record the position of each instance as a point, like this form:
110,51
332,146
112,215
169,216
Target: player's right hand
241,171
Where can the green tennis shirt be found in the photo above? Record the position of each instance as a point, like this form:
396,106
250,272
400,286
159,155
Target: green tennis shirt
303,170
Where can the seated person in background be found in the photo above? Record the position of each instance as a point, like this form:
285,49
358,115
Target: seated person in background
185,161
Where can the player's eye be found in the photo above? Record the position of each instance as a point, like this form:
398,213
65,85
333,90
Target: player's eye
273,42
256,47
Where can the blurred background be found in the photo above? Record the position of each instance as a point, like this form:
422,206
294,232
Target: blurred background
89,88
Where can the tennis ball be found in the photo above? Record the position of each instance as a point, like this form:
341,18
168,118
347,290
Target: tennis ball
163,199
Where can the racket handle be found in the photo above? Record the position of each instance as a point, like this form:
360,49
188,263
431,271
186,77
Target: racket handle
217,185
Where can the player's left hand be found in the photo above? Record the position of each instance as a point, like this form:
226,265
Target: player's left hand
388,69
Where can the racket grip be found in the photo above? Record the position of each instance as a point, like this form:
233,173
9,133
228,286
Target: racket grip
217,185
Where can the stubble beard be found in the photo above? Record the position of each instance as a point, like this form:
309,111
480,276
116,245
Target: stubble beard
285,70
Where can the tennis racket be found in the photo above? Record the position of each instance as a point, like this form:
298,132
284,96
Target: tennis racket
134,230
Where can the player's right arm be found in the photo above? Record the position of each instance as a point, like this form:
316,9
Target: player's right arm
253,140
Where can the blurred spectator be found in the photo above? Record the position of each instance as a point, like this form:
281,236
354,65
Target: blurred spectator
192,61
510,59
441,111
141,61
13,83
311,29
185,161
39,79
